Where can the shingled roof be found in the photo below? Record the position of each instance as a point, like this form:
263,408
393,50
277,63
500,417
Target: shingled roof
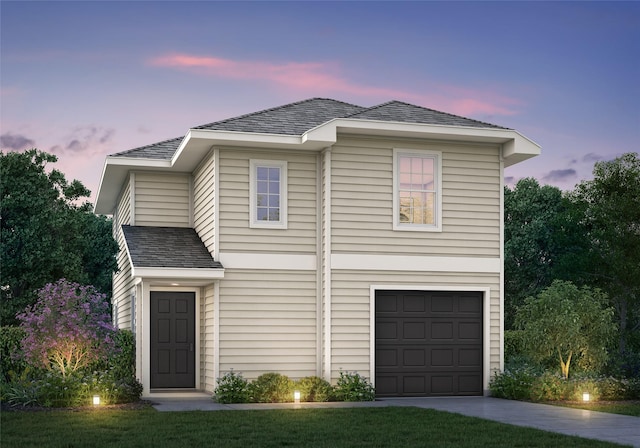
297,118
167,247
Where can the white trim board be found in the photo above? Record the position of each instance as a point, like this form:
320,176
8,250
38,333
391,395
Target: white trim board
414,263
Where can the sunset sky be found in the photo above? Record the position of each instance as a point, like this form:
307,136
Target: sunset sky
85,79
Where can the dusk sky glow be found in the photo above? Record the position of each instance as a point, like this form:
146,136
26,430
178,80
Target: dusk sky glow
86,79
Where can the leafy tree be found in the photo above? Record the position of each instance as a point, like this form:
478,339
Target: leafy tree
568,323
539,232
68,328
611,203
47,233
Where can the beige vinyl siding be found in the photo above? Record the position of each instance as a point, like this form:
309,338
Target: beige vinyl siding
362,200
122,281
162,199
235,234
207,361
268,322
350,311
203,201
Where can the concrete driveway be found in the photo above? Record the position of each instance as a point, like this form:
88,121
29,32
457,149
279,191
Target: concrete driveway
620,429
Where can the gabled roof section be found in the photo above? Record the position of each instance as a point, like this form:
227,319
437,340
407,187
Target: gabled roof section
400,112
167,247
290,119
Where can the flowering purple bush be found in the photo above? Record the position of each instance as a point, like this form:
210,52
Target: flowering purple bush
68,328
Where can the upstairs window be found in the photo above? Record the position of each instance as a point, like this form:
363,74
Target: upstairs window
417,195
268,189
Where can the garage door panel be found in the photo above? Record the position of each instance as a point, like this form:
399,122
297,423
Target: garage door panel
441,330
415,357
470,330
469,304
441,304
414,330
387,303
431,345
387,330
388,384
414,384
469,384
470,357
387,357
442,358
413,304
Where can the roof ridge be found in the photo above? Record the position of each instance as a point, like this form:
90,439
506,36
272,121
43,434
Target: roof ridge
271,109
429,109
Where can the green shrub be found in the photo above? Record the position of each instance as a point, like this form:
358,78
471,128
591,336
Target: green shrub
514,383
51,389
313,388
352,386
122,361
271,388
232,388
513,343
11,354
551,387
18,389
112,378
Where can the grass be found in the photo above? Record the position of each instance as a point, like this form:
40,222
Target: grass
368,427
612,407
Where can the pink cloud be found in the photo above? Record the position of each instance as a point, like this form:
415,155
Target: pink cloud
314,77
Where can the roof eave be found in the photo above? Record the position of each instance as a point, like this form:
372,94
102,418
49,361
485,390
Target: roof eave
515,146
178,274
198,142
114,173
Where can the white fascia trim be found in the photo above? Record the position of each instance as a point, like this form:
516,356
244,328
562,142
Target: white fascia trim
233,138
356,262
233,260
178,273
486,322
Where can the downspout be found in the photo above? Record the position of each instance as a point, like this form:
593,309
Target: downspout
319,252
326,251
501,351
216,256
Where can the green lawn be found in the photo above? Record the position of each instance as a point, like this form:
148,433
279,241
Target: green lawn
353,427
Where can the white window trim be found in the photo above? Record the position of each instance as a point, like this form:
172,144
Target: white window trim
437,156
253,215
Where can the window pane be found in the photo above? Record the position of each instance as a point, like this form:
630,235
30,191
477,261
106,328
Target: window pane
262,213
263,186
427,165
274,187
416,165
405,165
263,173
274,214
261,200
274,200
274,174
428,183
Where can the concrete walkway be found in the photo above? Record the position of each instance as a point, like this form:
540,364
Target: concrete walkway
620,429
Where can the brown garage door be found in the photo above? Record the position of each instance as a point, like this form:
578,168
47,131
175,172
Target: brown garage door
428,343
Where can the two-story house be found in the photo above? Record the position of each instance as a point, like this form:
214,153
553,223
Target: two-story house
314,237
